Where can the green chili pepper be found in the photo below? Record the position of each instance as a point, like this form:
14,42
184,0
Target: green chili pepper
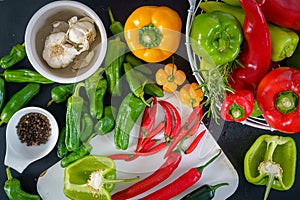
150,88
137,63
129,111
87,125
82,151
113,65
205,192
91,178
18,101
17,53
2,92
284,41
73,119
95,87
116,27
61,93
216,37
271,161
62,150
136,85
107,122
24,76
13,190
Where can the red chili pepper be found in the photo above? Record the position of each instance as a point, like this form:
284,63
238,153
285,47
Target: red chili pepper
185,131
284,13
153,150
237,106
195,142
162,173
196,112
183,182
153,133
121,156
148,121
177,119
256,54
147,145
169,119
278,97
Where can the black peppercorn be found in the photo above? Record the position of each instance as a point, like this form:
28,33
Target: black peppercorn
33,129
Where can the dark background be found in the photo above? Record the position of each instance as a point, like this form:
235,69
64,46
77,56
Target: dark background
235,138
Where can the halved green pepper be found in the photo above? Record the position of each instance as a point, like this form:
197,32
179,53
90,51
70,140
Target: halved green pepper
216,37
91,177
271,161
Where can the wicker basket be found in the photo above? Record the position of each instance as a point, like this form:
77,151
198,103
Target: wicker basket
257,122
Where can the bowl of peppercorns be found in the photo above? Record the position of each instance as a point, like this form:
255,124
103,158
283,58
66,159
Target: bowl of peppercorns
31,134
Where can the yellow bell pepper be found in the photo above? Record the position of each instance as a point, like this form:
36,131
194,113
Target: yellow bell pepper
153,33
169,77
191,94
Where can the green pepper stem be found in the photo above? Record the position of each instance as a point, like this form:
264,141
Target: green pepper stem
111,17
107,181
286,102
77,88
8,173
268,189
149,36
215,187
236,111
201,168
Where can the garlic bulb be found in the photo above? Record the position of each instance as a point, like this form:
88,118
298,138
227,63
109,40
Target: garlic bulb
81,32
57,53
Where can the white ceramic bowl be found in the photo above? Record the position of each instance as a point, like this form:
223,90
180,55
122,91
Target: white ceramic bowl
40,26
18,155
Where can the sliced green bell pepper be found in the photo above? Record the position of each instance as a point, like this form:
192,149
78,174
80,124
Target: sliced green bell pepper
216,37
91,177
271,161
284,41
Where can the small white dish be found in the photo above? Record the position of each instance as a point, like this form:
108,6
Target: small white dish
18,155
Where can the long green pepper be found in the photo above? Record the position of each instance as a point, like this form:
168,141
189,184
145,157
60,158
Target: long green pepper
18,101
113,65
73,119
24,76
16,54
129,111
2,92
107,122
96,87
62,150
87,125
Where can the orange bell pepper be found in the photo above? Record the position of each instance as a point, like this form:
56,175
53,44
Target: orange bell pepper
153,33
169,77
191,94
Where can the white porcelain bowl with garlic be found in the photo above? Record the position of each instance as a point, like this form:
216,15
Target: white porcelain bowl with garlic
65,41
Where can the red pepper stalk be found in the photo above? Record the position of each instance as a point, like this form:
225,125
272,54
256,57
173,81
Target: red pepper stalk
237,106
278,97
183,182
256,54
162,173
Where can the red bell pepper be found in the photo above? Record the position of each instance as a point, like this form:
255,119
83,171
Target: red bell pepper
256,54
284,13
237,106
278,96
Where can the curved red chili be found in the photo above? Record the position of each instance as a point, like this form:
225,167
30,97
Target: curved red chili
153,150
183,182
153,133
256,54
177,119
169,119
162,173
195,142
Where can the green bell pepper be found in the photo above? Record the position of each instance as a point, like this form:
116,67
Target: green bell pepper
284,41
271,161
216,37
91,177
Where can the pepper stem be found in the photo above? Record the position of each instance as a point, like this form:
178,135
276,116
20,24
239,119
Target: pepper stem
8,173
286,102
236,111
149,36
268,189
201,168
111,17
107,181
215,187
77,88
